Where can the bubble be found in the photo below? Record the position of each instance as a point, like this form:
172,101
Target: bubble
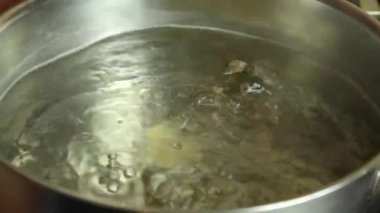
185,191
102,180
23,159
235,66
184,124
114,175
181,95
112,156
202,195
129,172
103,160
113,186
214,191
111,160
207,101
177,146
157,180
26,141
182,196
252,89
223,173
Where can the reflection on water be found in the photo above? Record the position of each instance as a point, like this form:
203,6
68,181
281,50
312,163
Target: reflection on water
179,118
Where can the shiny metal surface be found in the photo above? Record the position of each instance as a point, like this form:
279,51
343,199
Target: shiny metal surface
30,40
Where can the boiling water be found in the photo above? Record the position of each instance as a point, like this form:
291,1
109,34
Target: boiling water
156,118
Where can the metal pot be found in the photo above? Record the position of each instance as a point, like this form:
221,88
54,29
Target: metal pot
334,31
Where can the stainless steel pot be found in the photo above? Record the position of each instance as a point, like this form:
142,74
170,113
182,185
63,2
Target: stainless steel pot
334,31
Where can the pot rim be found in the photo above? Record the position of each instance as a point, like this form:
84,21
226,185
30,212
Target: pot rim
21,9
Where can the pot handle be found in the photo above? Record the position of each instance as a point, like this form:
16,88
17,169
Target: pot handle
371,7
375,14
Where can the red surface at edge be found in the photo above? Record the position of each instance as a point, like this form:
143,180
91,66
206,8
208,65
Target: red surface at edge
6,4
